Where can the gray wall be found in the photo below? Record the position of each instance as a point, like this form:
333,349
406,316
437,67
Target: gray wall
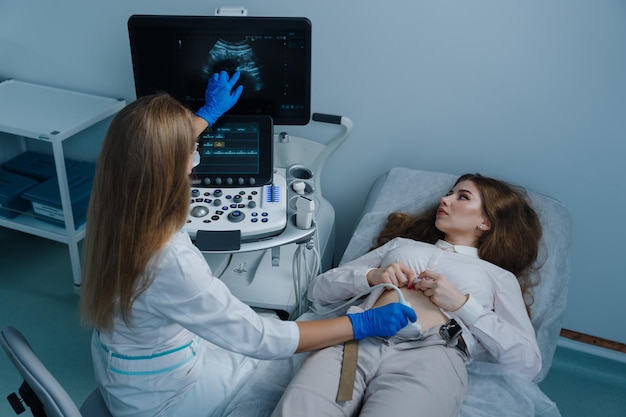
533,92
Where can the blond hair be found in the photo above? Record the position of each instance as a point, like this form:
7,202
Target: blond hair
140,198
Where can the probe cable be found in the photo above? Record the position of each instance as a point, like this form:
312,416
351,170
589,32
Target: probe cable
356,297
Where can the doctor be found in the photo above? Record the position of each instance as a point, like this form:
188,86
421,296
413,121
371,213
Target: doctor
169,338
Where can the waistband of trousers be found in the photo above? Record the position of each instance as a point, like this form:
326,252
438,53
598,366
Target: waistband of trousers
430,337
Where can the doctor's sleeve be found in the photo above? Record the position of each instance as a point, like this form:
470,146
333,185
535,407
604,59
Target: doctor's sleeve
191,296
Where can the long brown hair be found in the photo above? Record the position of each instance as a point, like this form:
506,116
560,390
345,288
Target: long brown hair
140,197
512,242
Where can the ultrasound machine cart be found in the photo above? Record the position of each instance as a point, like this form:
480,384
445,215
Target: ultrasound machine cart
257,211
272,272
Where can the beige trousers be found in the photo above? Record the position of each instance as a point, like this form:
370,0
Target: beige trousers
393,378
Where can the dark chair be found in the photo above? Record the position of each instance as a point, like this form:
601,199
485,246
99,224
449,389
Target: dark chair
40,391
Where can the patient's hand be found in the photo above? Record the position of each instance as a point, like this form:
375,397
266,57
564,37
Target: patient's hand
396,273
440,290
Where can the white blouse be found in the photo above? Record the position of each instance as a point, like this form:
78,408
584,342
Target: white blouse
496,326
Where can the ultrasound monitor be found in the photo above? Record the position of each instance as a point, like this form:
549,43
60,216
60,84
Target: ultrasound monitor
236,151
177,54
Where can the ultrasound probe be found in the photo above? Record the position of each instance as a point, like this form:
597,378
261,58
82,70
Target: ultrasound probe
409,331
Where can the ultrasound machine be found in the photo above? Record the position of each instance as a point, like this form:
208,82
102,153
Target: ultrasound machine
256,209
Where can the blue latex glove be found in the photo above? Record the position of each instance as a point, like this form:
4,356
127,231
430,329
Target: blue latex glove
219,96
383,321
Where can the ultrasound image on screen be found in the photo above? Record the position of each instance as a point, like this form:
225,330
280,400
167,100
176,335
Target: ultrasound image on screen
178,55
232,56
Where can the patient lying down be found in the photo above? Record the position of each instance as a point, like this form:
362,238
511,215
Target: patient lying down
464,264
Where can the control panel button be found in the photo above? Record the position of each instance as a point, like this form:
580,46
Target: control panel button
236,216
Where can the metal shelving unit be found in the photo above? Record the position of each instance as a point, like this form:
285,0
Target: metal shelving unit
51,115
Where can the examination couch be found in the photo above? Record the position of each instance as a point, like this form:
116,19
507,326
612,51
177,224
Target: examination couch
491,390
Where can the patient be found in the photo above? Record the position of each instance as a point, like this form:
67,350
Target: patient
464,264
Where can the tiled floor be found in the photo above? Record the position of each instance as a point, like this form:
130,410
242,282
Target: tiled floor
37,297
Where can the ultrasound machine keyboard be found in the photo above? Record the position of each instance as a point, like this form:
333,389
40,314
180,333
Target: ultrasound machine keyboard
257,212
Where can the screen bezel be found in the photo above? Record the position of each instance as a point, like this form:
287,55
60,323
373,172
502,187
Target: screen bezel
265,158
139,25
